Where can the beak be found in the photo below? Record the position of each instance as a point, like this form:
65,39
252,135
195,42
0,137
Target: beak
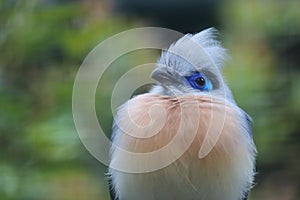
165,76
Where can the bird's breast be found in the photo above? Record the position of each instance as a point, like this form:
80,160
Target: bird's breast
196,146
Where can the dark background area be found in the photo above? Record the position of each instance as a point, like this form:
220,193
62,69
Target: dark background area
43,44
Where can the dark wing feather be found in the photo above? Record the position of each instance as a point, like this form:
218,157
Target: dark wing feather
112,191
249,122
246,196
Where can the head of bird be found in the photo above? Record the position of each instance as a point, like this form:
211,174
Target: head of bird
192,65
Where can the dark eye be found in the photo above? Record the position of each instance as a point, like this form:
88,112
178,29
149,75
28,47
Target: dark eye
199,81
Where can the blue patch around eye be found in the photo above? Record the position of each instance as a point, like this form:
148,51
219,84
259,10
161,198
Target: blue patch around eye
192,80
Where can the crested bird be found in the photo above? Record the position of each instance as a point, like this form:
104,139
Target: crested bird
186,138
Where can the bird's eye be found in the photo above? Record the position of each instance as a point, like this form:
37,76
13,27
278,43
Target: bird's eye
199,81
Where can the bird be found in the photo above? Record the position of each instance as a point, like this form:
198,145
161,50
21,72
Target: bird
186,138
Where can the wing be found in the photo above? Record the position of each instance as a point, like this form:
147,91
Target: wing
249,128
111,190
246,196
249,122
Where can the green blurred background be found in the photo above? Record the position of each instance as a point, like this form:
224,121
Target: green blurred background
43,43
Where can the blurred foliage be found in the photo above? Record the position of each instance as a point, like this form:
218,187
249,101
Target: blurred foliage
42,46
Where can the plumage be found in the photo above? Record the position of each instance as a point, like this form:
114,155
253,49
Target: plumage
194,143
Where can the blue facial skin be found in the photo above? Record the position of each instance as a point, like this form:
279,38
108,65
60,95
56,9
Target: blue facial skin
200,82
